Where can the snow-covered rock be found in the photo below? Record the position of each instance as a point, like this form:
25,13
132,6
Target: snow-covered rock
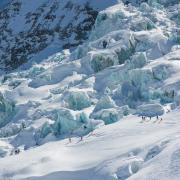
77,100
150,110
104,103
108,115
64,122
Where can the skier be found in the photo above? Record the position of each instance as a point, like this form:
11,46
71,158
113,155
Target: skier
16,151
81,138
143,119
84,129
157,117
173,94
161,120
104,44
70,140
71,133
23,125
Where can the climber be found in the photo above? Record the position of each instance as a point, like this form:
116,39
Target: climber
157,117
71,133
143,117
173,94
84,129
104,44
23,125
17,151
161,120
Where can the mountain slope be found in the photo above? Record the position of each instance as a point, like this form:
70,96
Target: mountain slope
33,30
129,67
124,150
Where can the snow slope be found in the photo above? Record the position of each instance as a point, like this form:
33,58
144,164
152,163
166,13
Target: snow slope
129,67
31,30
109,153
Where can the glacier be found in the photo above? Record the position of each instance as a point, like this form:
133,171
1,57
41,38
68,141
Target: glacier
76,113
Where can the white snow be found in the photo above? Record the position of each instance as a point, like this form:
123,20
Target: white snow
103,153
98,93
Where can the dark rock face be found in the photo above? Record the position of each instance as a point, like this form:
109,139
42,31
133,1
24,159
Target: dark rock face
26,31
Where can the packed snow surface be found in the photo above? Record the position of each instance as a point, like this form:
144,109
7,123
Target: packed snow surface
126,149
109,110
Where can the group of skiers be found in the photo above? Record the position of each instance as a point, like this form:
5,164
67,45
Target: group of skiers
84,127
157,118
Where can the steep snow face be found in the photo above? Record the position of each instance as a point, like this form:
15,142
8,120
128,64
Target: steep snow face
129,65
31,30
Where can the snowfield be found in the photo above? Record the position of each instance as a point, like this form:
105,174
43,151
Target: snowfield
108,110
127,149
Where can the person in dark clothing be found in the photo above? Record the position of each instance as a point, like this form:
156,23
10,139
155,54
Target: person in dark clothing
16,151
104,44
173,94
71,133
161,120
70,140
84,128
23,125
